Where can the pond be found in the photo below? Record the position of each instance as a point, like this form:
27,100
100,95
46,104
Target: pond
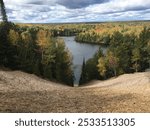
80,52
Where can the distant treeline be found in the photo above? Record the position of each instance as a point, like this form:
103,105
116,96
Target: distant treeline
102,33
98,33
62,29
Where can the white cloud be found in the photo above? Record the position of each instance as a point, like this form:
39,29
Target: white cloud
32,11
118,5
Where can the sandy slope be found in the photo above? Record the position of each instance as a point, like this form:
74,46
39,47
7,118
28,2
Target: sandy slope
21,92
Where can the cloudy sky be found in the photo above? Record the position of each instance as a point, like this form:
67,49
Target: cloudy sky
50,11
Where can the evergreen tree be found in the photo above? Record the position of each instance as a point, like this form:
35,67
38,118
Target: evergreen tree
48,60
143,43
83,78
148,54
29,54
3,11
91,66
57,62
136,59
7,50
63,63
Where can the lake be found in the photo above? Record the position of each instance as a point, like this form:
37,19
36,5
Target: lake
80,51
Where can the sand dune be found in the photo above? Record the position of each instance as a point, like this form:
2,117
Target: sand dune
22,92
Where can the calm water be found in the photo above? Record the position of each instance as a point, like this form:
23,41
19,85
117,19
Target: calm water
79,52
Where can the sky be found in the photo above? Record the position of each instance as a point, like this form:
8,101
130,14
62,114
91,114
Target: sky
64,11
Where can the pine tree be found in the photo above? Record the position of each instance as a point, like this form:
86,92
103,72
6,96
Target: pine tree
3,11
91,66
83,78
148,56
7,51
136,59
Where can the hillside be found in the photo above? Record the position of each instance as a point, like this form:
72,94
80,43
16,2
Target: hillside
22,92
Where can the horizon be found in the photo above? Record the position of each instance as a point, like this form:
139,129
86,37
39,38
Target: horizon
88,22
76,11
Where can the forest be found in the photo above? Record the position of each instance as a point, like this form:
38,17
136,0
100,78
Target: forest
34,50
125,54
37,49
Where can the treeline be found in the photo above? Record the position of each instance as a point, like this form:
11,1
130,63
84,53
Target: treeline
125,54
102,33
62,29
64,32
36,51
96,33
93,38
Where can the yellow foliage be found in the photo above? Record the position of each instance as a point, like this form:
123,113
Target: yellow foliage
43,37
13,36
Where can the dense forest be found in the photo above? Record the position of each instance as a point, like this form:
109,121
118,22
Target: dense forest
102,33
37,49
125,54
34,50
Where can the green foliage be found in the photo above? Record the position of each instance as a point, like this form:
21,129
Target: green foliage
28,53
89,69
58,60
83,78
136,56
36,49
103,33
126,54
148,55
91,66
33,50
108,65
7,50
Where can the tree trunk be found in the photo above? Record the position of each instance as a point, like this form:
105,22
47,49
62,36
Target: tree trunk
115,72
136,67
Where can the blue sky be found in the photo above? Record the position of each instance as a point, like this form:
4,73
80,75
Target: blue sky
51,11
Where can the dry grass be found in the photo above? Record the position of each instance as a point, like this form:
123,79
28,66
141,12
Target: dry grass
21,92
